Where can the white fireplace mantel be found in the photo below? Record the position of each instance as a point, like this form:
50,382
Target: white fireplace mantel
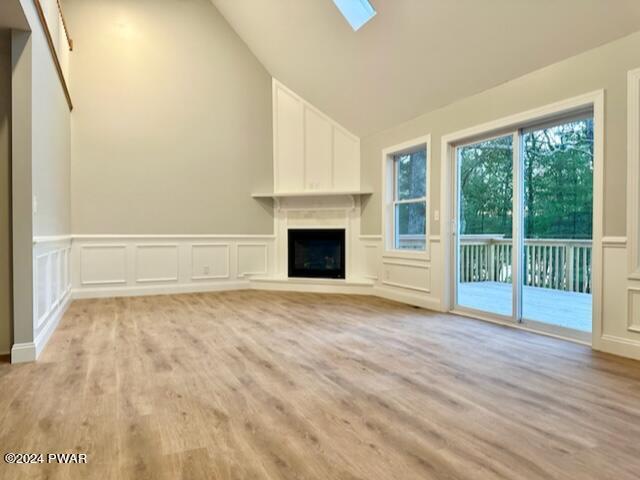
314,200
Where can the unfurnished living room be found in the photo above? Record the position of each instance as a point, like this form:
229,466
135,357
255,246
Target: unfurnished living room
320,239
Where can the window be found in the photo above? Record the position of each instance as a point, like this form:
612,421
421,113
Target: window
357,12
410,199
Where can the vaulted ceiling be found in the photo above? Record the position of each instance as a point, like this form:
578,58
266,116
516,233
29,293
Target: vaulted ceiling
417,55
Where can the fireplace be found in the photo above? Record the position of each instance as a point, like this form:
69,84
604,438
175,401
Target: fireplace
317,253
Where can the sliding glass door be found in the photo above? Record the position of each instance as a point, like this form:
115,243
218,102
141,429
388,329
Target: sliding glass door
485,226
523,226
557,226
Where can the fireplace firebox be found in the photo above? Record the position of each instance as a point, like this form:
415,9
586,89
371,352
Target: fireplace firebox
317,253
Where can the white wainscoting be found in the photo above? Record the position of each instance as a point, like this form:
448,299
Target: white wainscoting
253,259
157,263
619,332
411,280
121,265
407,274
103,264
52,293
370,251
210,261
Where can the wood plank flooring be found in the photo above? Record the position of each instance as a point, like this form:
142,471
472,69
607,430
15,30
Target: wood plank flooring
262,385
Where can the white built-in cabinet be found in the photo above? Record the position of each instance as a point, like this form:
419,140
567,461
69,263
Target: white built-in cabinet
311,151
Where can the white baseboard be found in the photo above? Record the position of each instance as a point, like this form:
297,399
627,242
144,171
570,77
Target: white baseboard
410,298
313,285
138,291
622,347
23,352
29,352
52,323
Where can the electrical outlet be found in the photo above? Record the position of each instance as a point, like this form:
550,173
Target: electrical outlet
436,215
207,270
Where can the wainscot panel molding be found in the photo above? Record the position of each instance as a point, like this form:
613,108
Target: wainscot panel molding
157,263
633,309
403,295
210,261
253,259
170,236
51,293
620,327
614,242
131,265
103,264
371,255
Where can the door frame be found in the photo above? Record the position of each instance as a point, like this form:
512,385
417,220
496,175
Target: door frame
509,125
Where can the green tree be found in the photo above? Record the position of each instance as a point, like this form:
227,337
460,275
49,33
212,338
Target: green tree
558,174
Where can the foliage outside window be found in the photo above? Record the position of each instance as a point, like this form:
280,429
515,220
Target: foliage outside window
410,200
558,183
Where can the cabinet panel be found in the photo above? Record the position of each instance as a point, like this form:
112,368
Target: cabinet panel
346,161
289,165
318,151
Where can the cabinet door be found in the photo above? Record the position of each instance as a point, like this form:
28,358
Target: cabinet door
346,161
289,146
318,151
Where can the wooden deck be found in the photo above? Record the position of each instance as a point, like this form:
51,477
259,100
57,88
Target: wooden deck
556,307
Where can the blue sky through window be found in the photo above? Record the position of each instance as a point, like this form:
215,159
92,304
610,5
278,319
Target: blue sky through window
357,12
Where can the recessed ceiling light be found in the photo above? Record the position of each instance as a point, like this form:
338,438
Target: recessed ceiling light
357,12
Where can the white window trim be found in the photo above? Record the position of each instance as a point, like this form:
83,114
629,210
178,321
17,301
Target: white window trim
389,201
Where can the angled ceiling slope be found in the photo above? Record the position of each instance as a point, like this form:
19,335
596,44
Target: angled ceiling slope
417,55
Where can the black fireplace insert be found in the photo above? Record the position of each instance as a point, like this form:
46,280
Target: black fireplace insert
317,253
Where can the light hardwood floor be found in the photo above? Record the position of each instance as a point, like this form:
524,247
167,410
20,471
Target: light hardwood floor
259,385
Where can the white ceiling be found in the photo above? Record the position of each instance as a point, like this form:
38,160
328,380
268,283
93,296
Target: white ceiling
417,55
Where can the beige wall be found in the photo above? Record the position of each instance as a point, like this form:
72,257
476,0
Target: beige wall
5,191
171,130
602,68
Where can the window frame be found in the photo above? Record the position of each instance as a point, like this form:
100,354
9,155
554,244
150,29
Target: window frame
391,201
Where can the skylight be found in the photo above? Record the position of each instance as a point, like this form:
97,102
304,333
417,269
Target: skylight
357,12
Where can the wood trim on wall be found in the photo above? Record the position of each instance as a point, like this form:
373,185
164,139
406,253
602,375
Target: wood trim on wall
54,54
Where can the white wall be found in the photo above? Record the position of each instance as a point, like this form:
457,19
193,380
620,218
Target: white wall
41,189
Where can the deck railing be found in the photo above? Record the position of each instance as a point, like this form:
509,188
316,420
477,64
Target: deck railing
556,264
